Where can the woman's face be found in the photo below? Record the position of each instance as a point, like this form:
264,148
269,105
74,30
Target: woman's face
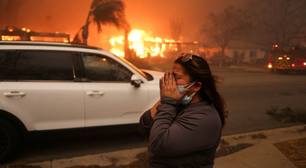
180,76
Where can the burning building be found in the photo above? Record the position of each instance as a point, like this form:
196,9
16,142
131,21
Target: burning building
10,33
143,45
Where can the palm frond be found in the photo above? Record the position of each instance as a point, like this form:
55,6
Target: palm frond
103,12
110,12
78,37
96,3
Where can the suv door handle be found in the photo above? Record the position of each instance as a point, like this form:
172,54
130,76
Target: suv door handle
14,94
94,93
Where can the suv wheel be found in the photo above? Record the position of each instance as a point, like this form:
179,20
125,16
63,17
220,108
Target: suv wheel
9,140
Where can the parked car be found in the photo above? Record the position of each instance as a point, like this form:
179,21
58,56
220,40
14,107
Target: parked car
51,86
215,60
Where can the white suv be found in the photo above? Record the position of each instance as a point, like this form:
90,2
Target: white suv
49,86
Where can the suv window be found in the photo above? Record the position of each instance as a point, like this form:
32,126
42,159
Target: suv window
102,68
7,62
44,65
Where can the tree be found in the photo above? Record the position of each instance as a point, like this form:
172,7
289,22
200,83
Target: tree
103,12
281,21
224,27
176,27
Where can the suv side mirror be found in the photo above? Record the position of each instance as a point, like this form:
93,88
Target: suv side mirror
135,80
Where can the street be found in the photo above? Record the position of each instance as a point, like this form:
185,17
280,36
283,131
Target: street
248,96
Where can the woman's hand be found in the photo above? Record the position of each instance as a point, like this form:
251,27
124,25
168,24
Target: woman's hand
168,87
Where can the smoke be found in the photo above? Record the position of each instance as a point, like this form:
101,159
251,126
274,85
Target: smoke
155,15
53,15
152,16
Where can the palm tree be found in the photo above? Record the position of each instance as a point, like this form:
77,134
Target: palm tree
103,12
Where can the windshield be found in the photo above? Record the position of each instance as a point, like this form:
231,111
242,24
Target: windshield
133,66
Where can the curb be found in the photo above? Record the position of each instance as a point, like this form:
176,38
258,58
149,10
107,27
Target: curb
271,136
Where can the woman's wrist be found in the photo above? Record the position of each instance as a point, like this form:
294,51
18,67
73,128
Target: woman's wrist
170,100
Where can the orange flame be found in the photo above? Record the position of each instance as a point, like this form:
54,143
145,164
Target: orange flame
142,43
10,38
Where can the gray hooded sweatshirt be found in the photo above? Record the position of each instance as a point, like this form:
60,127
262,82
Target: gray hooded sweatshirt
181,136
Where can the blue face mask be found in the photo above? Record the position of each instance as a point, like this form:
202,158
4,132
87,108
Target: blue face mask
185,100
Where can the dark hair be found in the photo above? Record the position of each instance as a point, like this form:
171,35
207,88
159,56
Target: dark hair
199,71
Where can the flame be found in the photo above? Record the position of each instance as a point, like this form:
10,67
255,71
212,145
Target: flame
10,38
142,44
25,29
47,38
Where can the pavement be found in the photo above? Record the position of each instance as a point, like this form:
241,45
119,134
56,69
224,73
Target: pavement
249,68
261,154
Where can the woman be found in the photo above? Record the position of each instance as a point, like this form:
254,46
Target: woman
184,126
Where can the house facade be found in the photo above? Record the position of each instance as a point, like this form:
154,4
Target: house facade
241,52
